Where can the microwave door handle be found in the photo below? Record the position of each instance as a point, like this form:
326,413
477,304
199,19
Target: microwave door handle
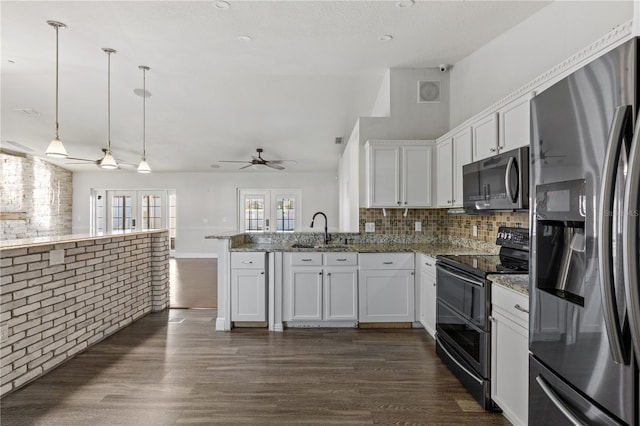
605,243
630,239
507,181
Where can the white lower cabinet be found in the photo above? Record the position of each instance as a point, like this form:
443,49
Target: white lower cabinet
320,287
510,353
386,287
248,287
427,268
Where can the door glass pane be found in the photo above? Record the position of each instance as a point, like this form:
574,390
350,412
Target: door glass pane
121,213
172,220
285,214
254,214
151,211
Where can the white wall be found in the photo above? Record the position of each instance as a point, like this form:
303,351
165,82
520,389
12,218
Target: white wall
529,49
349,183
207,202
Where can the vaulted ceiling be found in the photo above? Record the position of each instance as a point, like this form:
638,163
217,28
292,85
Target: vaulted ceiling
309,70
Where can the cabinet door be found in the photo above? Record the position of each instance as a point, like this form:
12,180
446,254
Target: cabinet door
386,296
462,149
515,122
384,176
416,176
340,294
444,156
248,295
428,294
485,137
305,294
510,368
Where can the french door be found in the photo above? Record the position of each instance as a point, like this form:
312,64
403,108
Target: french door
117,211
269,210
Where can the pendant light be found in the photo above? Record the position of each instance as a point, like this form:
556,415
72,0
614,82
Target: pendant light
56,148
143,167
108,162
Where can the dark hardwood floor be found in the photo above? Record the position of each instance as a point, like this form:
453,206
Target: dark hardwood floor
172,368
193,283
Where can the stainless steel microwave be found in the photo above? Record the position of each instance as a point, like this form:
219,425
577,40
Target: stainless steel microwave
500,182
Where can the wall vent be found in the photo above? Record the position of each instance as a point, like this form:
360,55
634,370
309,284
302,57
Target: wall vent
428,92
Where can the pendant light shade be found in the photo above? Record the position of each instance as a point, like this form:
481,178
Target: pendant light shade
108,162
143,167
56,148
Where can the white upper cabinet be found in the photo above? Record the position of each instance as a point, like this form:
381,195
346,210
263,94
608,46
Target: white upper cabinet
515,123
485,137
452,153
398,174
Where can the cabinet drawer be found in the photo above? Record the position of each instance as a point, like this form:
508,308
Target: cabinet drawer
428,265
386,261
341,259
248,260
306,259
511,304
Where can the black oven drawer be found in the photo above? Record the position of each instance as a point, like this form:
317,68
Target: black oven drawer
463,293
470,342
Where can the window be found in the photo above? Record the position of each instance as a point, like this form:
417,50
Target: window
121,219
259,209
127,211
151,212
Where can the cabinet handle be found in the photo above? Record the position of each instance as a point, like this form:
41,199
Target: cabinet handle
428,264
387,263
405,203
520,308
398,202
262,273
342,259
247,262
328,274
492,150
306,260
453,201
413,273
320,273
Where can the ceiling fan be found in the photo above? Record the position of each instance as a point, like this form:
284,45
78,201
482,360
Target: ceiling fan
259,161
97,162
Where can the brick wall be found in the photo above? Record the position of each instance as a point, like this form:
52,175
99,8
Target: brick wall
49,312
40,189
440,223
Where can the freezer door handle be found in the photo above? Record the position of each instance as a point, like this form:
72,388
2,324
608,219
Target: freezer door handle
557,401
605,242
630,240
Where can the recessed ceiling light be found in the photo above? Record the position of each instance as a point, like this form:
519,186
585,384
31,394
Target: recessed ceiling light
244,38
405,3
386,37
221,4
215,166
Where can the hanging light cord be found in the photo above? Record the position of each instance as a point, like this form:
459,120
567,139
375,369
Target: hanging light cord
144,102
109,101
57,126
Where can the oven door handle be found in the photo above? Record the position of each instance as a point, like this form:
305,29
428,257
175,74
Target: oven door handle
455,361
460,277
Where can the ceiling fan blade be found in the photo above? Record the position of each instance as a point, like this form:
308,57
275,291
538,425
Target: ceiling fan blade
283,161
94,162
245,167
81,159
273,166
233,161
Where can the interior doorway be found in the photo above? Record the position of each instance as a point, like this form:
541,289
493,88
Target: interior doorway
193,283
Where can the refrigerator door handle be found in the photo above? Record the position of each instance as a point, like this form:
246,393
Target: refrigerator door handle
507,181
630,240
605,242
557,401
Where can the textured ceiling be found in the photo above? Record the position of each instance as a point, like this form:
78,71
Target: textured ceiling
311,69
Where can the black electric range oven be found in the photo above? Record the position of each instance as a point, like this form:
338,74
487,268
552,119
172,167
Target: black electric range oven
463,331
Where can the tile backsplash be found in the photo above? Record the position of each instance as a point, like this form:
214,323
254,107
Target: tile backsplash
438,222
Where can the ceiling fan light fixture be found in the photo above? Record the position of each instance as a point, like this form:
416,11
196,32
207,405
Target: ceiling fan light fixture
143,167
56,149
108,162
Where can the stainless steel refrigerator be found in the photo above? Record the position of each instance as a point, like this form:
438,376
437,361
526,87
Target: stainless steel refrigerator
585,309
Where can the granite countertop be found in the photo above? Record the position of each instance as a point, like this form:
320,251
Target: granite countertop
428,249
517,282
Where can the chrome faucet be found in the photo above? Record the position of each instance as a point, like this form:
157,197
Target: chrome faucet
326,235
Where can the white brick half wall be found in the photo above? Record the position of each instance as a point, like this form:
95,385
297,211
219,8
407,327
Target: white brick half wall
50,312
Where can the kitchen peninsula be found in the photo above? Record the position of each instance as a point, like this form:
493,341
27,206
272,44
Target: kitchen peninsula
61,295
272,249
